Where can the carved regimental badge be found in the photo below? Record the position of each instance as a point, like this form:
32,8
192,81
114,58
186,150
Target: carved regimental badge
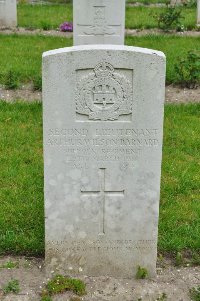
104,94
100,26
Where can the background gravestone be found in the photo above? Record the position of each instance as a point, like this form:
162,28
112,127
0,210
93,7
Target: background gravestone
102,22
198,12
8,13
175,2
103,125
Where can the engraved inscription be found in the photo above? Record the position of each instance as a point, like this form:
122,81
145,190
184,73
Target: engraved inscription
84,246
81,145
102,192
104,94
99,26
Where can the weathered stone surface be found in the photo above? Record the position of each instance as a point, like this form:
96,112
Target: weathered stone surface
103,124
102,22
8,13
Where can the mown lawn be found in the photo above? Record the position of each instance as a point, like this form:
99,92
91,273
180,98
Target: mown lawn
22,55
51,16
179,226
143,17
21,179
174,48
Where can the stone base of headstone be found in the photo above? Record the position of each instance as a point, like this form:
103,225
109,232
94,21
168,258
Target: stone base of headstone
103,127
8,13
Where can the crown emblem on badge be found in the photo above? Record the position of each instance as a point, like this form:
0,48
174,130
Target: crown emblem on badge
104,70
104,94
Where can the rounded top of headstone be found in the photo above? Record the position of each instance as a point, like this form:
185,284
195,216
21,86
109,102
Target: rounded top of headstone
139,50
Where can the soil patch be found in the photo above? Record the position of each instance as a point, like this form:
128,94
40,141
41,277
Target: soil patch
172,281
25,94
128,32
146,4
174,94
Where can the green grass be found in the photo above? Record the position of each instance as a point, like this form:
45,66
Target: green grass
174,47
143,17
180,197
11,287
42,16
60,284
10,265
21,179
51,16
22,55
195,293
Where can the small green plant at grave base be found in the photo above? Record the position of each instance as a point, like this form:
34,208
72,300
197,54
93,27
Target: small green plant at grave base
22,1
45,25
195,258
160,257
163,297
179,260
188,70
9,265
11,80
195,293
46,298
161,261
142,273
12,287
170,18
37,83
60,284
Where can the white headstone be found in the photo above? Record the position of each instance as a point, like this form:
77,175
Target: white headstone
103,125
102,22
198,12
8,13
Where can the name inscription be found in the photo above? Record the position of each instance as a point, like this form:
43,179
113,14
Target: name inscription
82,144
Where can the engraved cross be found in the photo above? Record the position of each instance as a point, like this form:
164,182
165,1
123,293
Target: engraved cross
102,193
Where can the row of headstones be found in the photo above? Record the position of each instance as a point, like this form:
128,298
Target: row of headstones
8,13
